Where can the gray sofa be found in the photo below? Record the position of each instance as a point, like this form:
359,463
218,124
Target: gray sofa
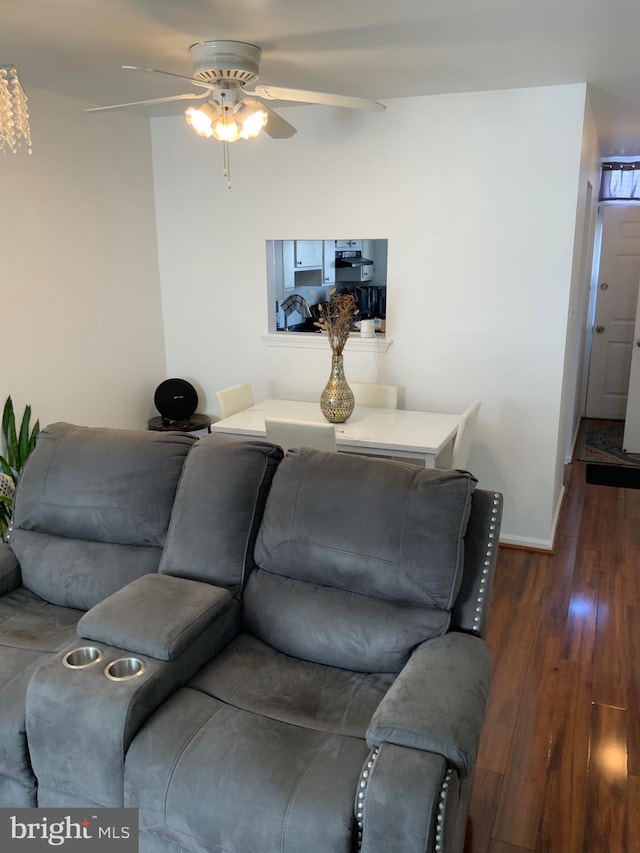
305,668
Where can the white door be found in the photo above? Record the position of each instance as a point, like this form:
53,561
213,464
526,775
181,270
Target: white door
615,315
631,440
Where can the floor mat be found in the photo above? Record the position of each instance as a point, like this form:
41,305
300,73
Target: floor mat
619,476
601,441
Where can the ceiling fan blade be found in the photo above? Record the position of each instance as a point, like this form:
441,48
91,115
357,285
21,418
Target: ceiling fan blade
276,93
189,96
276,127
210,86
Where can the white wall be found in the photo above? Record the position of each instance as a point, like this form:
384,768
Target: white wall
80,313
477,196
576,364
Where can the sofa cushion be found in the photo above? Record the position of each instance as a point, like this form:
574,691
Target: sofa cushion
210,776
254,677
360,560
92,509
78,573
218,506
382,529
104,485
334,627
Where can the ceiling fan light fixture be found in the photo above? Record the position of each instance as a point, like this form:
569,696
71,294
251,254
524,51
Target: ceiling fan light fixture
227,124
251,121
226,129
203,119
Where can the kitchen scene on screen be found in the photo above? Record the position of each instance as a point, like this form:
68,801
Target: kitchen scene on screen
302,274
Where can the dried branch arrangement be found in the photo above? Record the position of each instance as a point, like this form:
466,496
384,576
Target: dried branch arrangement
335,319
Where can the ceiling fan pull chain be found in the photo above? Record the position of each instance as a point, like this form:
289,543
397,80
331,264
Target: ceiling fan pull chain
226,170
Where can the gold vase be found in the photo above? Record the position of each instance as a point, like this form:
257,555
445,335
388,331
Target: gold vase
336,401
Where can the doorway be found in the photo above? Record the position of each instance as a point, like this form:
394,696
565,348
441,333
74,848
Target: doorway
614,316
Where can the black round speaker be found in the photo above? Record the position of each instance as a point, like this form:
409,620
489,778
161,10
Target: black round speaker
176,399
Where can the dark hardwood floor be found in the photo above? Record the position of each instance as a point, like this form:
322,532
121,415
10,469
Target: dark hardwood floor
559,762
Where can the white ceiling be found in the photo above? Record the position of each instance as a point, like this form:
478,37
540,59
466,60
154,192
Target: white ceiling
368,48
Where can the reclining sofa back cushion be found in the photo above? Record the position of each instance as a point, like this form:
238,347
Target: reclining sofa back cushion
218,506
92,509
359,559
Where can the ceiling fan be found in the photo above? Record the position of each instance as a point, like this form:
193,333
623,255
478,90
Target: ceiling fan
230,111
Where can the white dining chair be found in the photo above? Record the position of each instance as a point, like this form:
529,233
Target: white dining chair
234,399
374,395
464,436
289,433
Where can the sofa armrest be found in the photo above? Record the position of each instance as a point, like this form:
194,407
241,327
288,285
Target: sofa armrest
438,701
80,721
10,575
155,615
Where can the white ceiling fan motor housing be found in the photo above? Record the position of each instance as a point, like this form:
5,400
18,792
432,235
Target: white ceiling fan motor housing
231,61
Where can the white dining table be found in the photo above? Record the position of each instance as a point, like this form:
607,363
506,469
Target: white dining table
424,436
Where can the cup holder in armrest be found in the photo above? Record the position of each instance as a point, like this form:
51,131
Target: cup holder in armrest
82,657
123,669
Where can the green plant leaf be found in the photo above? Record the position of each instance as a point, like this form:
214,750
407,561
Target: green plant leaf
18,445
7,414
34,435
6,506
5,521
23,439
9,431
7,469
12,444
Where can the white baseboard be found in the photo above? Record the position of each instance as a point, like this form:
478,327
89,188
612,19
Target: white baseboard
526,543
